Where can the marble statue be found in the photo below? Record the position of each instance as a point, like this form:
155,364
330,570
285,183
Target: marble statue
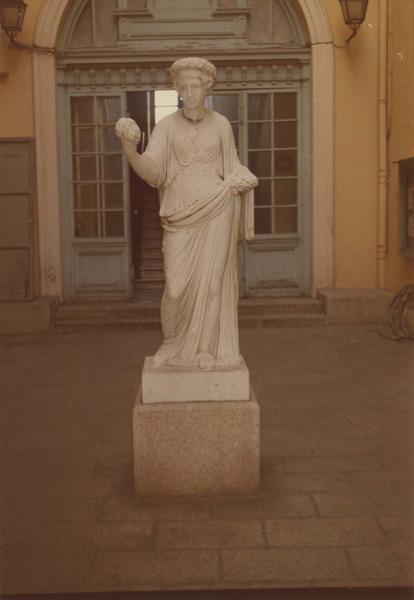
206,202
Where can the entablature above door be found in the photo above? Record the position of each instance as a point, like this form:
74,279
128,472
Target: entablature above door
128,76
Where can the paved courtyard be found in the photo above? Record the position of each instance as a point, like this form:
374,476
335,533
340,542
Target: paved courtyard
336,504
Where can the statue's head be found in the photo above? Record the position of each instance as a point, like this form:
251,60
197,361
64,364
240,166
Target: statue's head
194,67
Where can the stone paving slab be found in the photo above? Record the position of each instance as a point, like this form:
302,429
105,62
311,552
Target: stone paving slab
129,570
353,504
398,530
324,532
307,482
280,564
128,508
373,562
336,502
331,464
210,534
263,507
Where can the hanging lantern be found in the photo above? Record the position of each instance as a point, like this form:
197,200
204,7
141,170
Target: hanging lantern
11,16
354,12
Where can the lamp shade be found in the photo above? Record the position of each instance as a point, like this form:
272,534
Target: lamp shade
11,16
354,11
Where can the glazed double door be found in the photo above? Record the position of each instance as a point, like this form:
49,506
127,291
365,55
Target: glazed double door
115,241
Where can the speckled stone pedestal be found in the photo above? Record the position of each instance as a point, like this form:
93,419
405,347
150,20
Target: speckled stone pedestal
196,448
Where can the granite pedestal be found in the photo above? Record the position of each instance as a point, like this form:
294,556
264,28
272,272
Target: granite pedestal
196,446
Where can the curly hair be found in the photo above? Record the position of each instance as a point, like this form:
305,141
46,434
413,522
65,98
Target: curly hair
206,69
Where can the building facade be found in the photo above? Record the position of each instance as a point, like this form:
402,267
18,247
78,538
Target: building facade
327,127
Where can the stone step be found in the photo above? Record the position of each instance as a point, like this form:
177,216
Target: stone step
143,280
152,323
150,273
282,320
151,249
279,305
152,225
151,217
149,214
151,262
148,293
248,307
78,325
151,235
146,315
106,311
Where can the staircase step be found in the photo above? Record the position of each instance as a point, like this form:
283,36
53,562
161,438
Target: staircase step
152,226
150,251
144,274
151,262
149,283
151,216
160,278
151,236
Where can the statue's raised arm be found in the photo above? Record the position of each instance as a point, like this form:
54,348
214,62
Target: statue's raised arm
130,135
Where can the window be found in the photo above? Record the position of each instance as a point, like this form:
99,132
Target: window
266,123
97,167
272,156
229,106
406,173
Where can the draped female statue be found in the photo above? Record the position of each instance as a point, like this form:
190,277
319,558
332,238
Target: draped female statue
205,203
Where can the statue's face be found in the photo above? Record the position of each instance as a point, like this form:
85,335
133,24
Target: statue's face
191,89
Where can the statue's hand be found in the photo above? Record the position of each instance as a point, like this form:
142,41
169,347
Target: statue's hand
242,180
127,130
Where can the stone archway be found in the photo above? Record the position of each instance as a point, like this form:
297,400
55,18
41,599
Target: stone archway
46,131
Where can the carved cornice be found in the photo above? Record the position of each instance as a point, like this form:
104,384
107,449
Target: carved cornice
133,53
229,76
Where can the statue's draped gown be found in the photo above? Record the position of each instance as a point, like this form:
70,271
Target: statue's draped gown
200,216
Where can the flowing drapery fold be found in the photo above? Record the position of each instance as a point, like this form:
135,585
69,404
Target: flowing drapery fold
200,215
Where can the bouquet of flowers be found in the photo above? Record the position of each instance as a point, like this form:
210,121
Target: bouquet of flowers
242,180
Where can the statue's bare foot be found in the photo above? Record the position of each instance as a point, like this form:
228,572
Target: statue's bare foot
161,357
205,361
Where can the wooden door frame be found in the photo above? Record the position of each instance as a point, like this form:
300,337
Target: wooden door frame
33,238
46,131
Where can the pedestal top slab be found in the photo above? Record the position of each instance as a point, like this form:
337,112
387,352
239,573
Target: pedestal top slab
190,384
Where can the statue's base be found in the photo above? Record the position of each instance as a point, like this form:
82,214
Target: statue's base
196,448
190,384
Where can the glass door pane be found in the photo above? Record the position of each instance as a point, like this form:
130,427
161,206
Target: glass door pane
97,167
272,140
229,106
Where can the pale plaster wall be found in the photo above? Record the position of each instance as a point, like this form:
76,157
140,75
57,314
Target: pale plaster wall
356,172
400,269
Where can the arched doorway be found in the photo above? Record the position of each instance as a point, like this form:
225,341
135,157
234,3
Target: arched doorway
263,85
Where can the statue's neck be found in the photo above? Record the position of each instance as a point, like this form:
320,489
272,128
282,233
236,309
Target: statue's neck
194,114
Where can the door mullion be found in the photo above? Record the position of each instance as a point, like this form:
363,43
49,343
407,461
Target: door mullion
272,160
